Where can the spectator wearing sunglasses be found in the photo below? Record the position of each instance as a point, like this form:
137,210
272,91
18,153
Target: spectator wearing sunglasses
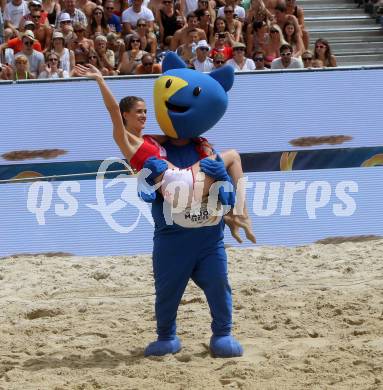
34,57
219,60
75,14
52,68
273,44
286,60
234,25
202,63
240,62
66,27
239,12
307,59
112,19
148,39
259,60
42,31
34,7
132,56
148,66
131,15
322,52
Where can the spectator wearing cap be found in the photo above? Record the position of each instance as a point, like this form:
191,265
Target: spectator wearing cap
34,7
52,68
14,12
75,14
35,58
65,55
180,37
238,10
66,27
219,60
148,66
202,63
131,15
97,23
16,44
259,60
113,21
240,62
286,60
105,55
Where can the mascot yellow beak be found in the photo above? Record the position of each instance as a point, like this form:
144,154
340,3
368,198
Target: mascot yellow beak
164,88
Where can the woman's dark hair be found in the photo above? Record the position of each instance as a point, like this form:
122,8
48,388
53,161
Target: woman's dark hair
328,53
104,22
129,41
127,103
215,23
257,25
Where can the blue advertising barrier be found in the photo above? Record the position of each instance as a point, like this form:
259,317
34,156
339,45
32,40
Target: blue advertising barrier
311,145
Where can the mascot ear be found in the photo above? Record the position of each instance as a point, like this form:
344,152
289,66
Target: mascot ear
172,61
225,76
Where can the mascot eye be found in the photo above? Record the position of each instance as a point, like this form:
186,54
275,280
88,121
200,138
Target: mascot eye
197,91
168,83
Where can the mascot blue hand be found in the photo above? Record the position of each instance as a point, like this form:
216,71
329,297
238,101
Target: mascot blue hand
146,188
216,170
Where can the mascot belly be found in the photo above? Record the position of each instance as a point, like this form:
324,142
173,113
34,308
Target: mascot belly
187,104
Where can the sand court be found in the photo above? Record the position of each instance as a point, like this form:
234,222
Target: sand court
308,317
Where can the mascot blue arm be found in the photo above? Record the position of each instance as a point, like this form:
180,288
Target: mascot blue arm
187,104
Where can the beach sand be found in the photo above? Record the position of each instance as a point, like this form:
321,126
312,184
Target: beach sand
308,317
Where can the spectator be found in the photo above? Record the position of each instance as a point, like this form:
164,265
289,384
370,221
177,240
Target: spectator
132,57
65,26
75,14
292,36
79,41
323,52
52,8
317,63
209,6
238,11
14,12
1,24
66,56
97,23
42,31
239,61
148,39
112,19
258,13
181,36
87,7
188,50
105,55
21,70
234,25
52,68
259,61
293,9
286,60
16,44
34,57
204,22
116,45
219,60
34,7
222,45
148,66
94,59
307,59
271,48
202,63
188,6
166,18
257,37
131,15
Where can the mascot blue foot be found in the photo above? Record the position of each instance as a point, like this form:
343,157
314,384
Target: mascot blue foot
225,347
163,347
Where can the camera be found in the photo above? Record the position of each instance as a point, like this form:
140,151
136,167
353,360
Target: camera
222,35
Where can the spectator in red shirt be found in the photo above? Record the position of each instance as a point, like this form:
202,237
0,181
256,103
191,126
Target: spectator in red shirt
17,45
222,45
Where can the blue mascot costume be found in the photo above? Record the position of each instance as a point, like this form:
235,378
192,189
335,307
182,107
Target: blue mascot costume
187,104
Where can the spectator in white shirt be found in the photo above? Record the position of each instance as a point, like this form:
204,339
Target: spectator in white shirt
239,62
131,15
286,60
13,13
238,11
202,63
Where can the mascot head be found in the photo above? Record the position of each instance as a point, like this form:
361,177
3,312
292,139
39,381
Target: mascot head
187,102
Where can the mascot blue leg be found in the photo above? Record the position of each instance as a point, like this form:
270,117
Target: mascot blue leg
211,276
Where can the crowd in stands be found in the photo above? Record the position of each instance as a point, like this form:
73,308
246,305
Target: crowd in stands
47,38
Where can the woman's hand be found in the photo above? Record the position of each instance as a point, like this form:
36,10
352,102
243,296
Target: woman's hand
88,71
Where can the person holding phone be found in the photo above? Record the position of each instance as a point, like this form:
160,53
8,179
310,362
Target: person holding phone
223,45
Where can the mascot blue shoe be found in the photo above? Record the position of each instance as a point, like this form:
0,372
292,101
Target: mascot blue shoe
187,104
